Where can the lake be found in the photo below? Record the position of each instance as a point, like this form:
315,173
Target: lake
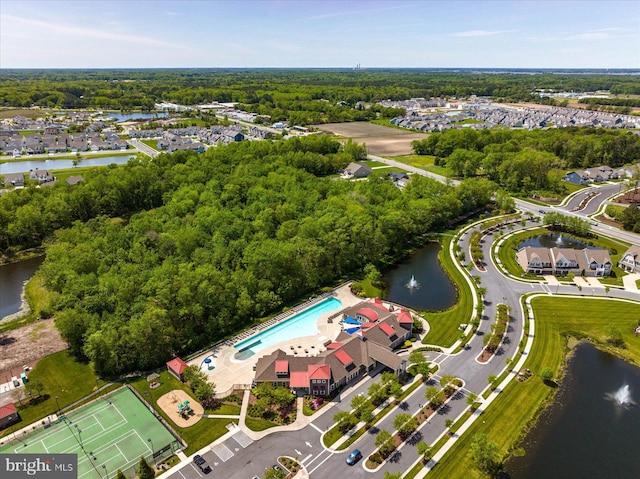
53,164
12,278
433,289
584,433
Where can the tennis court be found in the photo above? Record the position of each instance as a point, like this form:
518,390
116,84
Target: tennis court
108,434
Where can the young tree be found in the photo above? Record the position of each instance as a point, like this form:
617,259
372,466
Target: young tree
485,454
547,375
120,475
271,473
448,424
357,402
431,393
384,441
492,380
366,413
425,451
377,392
614,336
472,401
145,471
405,424
34,388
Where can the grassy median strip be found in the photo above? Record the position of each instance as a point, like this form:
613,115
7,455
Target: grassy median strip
509,416
444,324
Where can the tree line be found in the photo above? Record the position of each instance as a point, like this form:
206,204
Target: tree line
282,93
522,160
197,247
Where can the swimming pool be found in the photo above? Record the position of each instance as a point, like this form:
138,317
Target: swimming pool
298,325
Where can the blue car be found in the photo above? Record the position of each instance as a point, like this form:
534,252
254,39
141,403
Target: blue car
354,457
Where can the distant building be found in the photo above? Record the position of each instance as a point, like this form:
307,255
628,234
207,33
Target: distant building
561,261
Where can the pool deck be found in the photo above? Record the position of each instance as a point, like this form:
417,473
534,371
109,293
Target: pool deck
230,371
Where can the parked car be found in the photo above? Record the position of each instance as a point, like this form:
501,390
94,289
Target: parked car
542,212
199,461
354,457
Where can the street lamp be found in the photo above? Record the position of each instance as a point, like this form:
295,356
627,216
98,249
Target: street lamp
58,404
106,472
152,455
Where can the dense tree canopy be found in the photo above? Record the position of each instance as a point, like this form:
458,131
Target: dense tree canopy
300,96
225,238
521,160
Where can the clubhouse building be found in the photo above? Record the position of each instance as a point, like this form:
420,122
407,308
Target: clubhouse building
371,331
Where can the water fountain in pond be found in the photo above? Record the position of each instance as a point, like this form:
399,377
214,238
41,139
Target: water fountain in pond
413,284
559,241
622,396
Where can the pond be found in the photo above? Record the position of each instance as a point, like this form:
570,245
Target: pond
12,278
53,164
586,432
553,240
419,282
120,117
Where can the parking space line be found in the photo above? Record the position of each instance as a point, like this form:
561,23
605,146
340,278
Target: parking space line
195,469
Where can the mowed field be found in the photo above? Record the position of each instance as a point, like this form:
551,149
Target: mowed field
380,140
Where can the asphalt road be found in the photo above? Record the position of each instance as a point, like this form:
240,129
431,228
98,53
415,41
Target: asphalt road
238,457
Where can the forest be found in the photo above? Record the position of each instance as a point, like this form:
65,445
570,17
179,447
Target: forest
188,249
299,96
520,161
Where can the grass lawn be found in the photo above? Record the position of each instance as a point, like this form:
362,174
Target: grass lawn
418,161
556,318
373,163
151,144
256,424
385,172
444,324
386,122
205,431
61,376
26,112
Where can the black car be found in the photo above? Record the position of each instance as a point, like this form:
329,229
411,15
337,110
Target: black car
199,461
354,457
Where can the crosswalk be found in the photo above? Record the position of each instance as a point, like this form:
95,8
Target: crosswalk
227,449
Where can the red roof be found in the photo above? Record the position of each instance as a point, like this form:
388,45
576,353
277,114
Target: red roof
368,313
387,329
378,302
334,345
282,366
7,410
343,357
299,379
405,317
319,371
177,365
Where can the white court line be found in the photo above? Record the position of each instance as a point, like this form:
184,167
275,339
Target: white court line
321,463
122,453
99,423
143,441
316,427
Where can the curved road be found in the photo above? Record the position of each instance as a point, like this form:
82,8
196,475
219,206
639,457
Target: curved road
238,458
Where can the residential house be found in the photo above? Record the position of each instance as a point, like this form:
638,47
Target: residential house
561,261
44,176
53,129
73,180
630,260
356,170
14,179
577,177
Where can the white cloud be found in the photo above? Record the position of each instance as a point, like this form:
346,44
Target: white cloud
355,12
88,33
480,33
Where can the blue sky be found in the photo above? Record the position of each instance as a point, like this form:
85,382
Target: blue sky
462,33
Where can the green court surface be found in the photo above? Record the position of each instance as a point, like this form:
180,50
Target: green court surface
108,434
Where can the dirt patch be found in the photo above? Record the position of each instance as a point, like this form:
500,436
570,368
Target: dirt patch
391,146
360,129
169,404
380,140
27,345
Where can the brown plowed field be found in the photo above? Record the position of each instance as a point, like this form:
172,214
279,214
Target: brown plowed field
380,140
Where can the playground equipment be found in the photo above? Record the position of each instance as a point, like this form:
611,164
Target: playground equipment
184,409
